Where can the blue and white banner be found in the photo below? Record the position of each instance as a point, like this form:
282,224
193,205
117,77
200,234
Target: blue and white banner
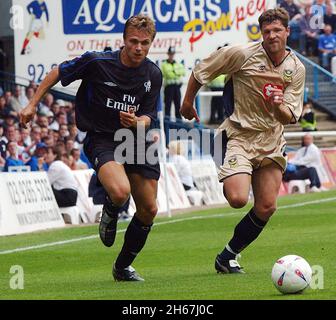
51,31
101,16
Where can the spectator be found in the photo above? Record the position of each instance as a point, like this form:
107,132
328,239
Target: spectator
319,6
18,101
55,108
46,104
49,139
12,160
330,17
294,23
9,107
35,135
61,118
2,148
44,132
73,134
309,156
42,120
79,163
37,162
309,34
183,168
63,132
69,145
10,133
308,118
29,93
2,107
25,139
173,73
61,179
9,120
294,172
292,9
327,47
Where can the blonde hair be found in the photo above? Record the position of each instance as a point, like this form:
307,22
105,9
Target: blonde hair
176,147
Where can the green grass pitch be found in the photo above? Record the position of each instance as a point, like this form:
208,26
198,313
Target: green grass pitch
178,260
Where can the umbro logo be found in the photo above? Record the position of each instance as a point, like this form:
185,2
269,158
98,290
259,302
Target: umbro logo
111,84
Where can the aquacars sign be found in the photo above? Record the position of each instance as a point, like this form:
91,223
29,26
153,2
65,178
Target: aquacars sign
101,16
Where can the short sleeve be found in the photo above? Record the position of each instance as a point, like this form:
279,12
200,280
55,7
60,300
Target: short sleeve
75,69
226,60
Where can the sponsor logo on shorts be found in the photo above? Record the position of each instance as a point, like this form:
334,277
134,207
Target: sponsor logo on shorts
233,162
96,162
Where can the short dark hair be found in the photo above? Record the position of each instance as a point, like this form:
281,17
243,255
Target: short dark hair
272,15
141,22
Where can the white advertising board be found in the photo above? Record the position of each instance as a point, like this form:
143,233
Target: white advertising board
205,177
27,203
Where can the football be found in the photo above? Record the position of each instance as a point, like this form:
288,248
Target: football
291,274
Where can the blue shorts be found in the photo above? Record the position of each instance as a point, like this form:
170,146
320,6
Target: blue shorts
101,148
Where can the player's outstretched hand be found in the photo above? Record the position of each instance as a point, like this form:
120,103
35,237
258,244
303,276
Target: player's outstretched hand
26,115
189,112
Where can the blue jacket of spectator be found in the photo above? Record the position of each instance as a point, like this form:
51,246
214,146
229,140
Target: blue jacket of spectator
12,162
33,163
327,42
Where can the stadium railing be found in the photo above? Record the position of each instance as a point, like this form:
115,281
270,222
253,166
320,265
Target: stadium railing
320,86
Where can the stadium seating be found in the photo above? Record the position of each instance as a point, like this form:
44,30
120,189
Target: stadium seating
195,197
298,186
74,214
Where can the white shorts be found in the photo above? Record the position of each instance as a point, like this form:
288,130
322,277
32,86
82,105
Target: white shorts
36,25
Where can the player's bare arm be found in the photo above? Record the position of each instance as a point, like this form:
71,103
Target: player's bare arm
28,113
187,109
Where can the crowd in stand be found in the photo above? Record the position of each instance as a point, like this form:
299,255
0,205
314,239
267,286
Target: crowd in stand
313,28
53,128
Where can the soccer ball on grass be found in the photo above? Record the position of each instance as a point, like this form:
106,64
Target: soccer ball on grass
291,274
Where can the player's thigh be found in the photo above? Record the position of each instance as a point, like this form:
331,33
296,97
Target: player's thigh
113,177
266,183
236,189
144,192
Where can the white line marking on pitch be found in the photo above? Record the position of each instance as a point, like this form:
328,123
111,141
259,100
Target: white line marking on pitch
220,215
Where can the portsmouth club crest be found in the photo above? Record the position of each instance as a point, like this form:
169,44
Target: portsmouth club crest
253,32
233,162
288,75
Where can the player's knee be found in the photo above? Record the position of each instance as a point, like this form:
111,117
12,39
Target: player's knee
120,196
266,209
237,201
148,211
